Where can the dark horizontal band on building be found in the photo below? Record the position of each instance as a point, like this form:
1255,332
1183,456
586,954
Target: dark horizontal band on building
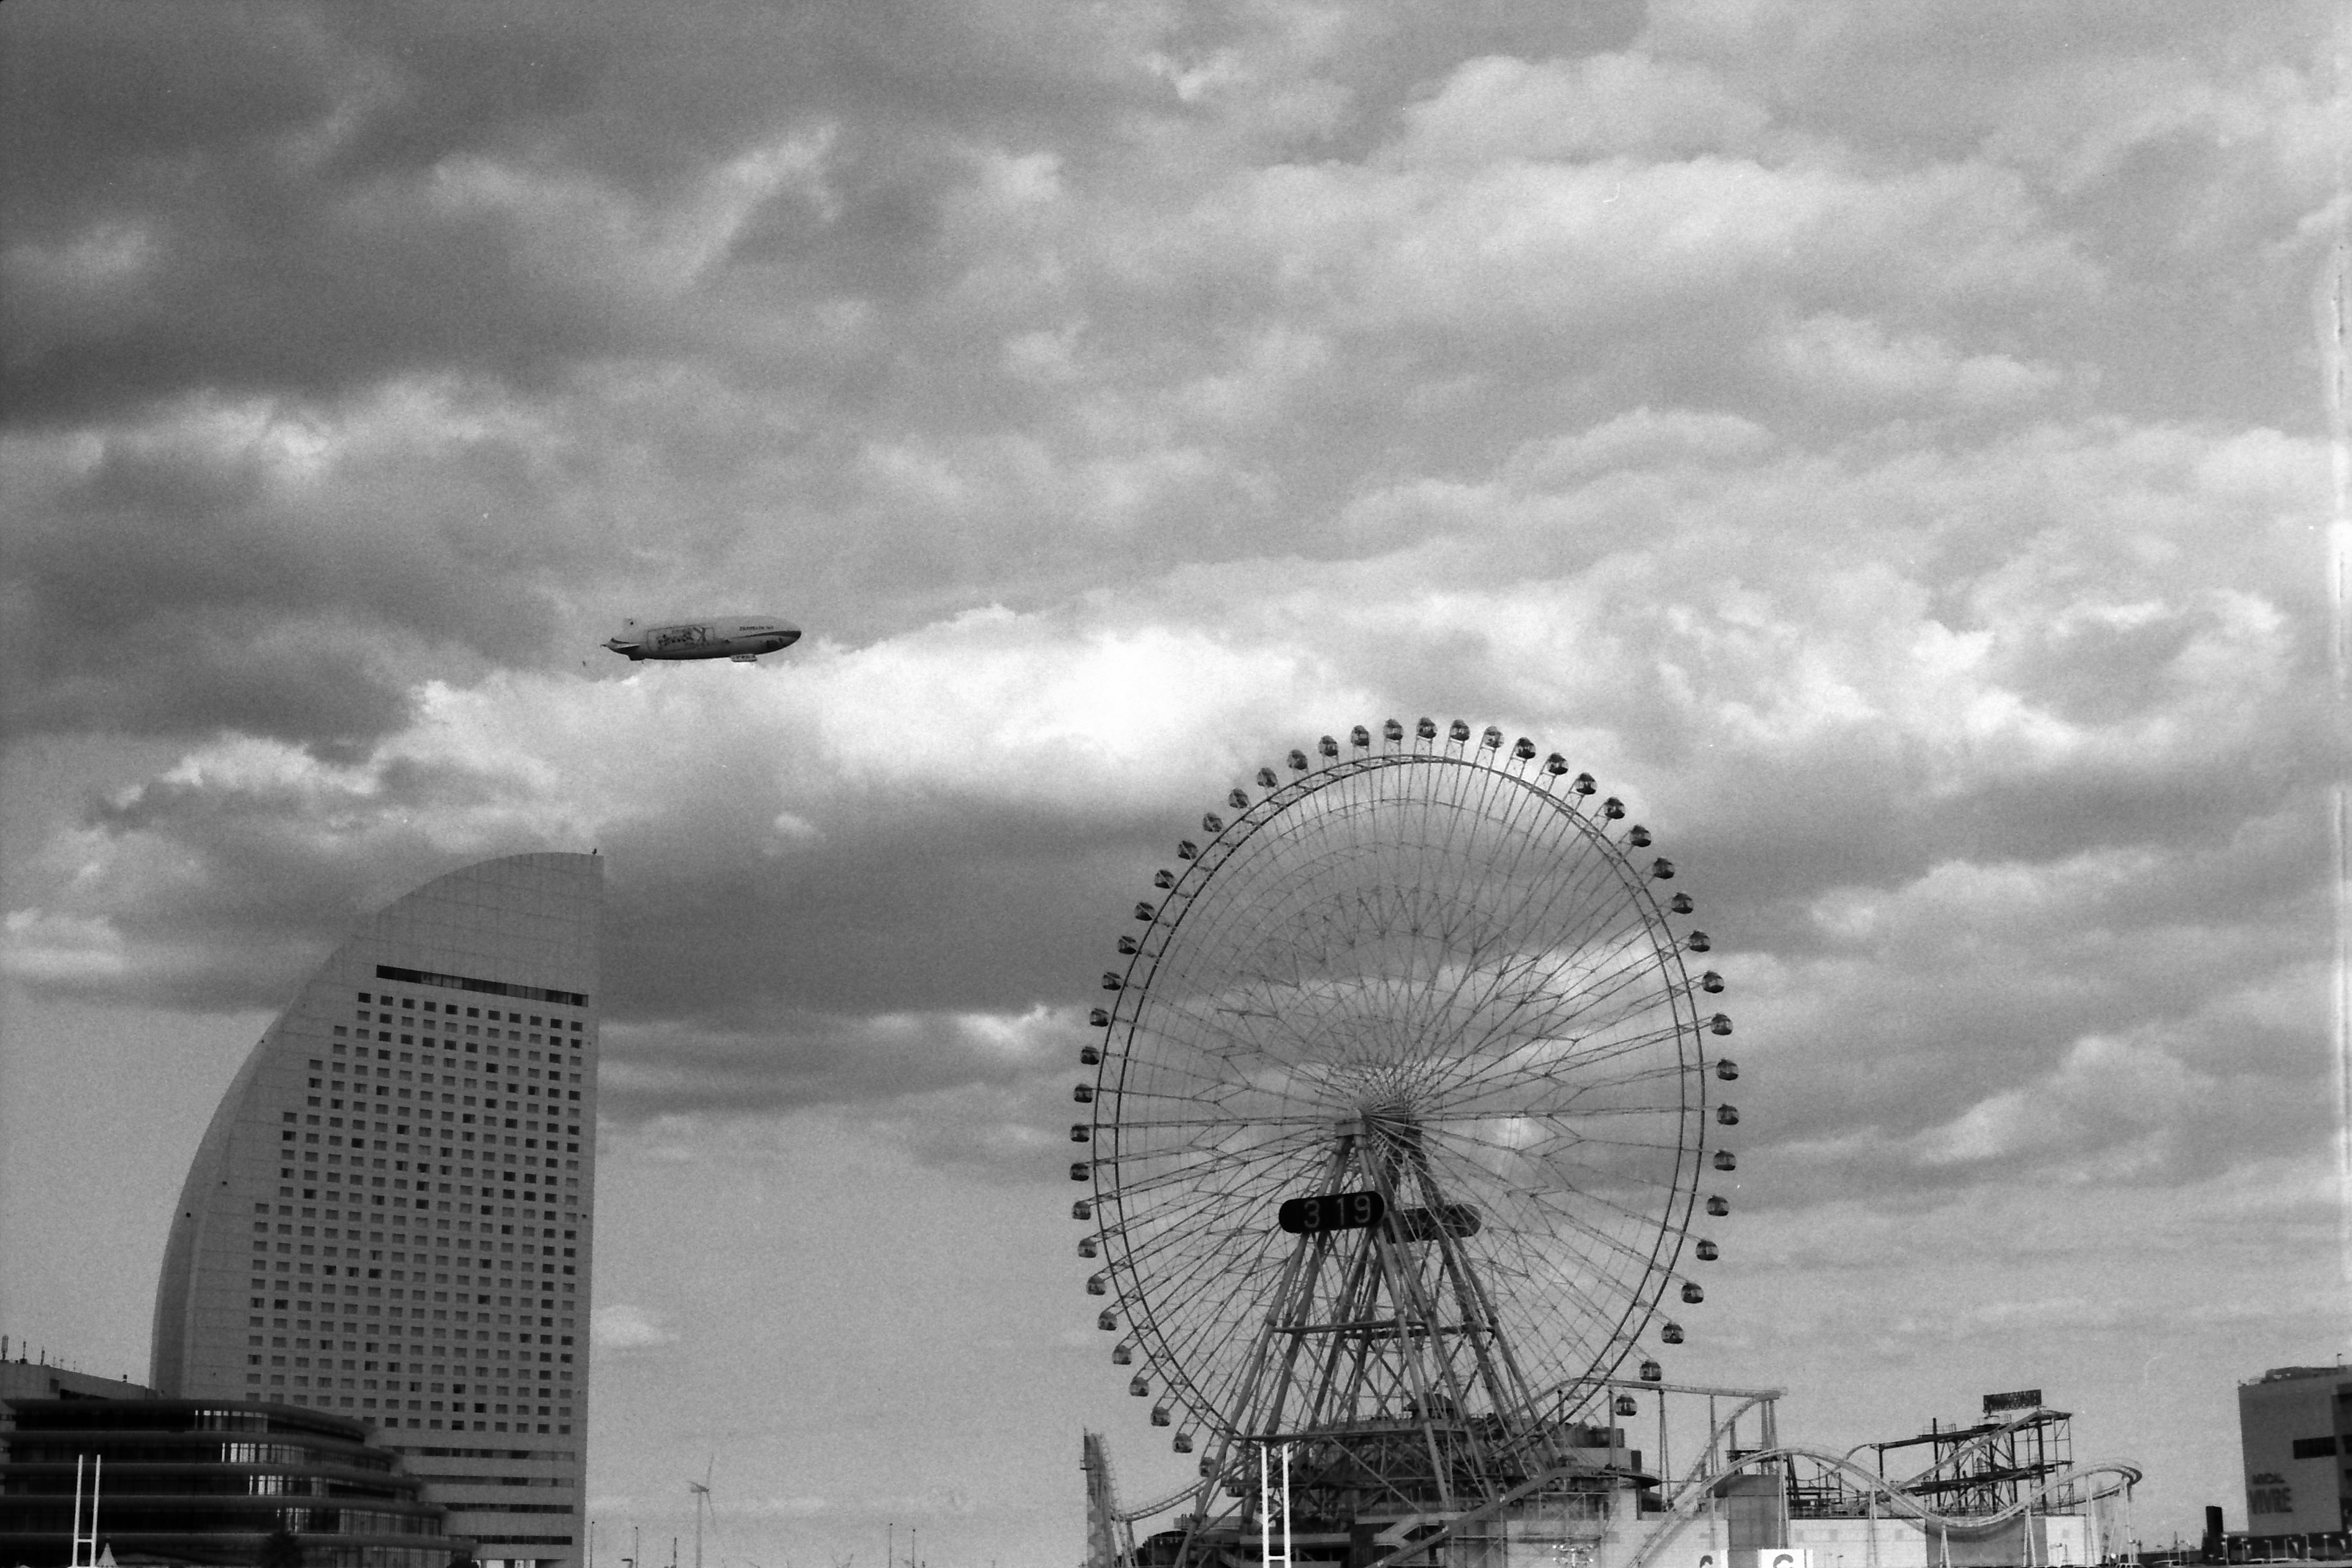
468,982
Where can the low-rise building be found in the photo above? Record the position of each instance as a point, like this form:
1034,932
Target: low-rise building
2295,1429
205,1482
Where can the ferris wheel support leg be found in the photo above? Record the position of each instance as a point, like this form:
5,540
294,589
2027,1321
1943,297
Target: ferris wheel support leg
1506,1387
1294,1296
1340,1377
1412,1306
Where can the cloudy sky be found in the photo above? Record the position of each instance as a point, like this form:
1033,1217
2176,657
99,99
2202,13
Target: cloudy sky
1886,442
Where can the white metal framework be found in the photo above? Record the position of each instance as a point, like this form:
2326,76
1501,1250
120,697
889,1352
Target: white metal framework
1439,971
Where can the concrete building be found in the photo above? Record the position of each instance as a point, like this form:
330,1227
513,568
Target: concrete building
157,1480
391,1215
2295,1427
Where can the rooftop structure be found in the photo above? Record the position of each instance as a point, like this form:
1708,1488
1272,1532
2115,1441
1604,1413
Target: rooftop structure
22,1380
391,1215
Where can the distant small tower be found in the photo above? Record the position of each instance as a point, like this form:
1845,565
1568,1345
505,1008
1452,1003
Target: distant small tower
1110,1540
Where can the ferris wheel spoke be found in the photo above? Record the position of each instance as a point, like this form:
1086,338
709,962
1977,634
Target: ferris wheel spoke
1631,963
1547,1010
1574,1063
1175,1171
1166,1123
1583,1051
1566,1160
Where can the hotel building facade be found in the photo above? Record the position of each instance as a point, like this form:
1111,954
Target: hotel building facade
391,1216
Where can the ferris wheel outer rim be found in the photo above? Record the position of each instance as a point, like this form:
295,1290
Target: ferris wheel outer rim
1136,1316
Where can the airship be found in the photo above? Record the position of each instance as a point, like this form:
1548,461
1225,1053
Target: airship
742,638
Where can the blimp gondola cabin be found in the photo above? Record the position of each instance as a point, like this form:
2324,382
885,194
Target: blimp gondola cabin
742,638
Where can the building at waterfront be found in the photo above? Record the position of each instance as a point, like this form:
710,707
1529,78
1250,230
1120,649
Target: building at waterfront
191,1481
2295,1427
390,1217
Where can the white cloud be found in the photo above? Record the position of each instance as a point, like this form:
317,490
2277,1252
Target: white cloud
62,949
1497,107
621,1327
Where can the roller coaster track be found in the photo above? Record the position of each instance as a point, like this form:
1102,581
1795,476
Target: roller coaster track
1949,1467
2119,1476
1158,1505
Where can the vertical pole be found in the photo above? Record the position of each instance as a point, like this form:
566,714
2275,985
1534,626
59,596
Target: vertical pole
1707,1464
1265,1509
1286,1506
1666,1471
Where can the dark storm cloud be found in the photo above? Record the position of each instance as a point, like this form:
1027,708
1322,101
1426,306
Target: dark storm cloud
194,575
276,200
218,883
913,909
801,1059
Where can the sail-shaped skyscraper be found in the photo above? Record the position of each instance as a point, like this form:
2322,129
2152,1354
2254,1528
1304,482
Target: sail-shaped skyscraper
392,1215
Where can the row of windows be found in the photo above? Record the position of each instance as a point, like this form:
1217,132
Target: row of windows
346,1035
481,1279
359,1124
392,1384
261,1227
515,1055
427,1131
335,1179
475,1036
473,982
514,1069
480,1351
371,1403
439,1479
416,1330
408,1003
530,1178
400,1237
489,1136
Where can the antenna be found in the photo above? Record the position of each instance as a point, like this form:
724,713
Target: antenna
701,1490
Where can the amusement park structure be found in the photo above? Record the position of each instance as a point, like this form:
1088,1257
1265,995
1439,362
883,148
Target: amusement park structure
2001,1492
1398,1121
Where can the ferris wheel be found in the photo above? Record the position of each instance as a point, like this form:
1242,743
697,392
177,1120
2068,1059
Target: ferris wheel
1398,1116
